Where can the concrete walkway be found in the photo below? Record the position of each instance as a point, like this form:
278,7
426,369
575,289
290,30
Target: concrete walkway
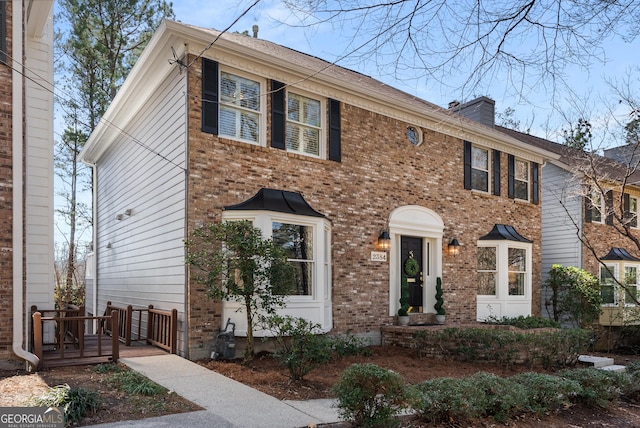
228,403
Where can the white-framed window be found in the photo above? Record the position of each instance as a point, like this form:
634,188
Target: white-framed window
631,284
297,242
596,206
304,132
521,179
633,211
608,284
480,168
241,107
503,279
487,271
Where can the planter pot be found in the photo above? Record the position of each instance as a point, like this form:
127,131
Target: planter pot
403,320
440,319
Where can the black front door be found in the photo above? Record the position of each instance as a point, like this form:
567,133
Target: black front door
412,248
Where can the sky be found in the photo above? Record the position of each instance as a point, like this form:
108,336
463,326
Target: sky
533,107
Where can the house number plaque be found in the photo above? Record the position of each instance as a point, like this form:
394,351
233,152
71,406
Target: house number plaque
378,256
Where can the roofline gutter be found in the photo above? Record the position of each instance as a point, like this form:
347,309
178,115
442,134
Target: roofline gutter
18,137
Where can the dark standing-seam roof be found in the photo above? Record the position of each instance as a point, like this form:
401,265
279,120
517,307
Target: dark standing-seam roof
281,201
504,231
619,254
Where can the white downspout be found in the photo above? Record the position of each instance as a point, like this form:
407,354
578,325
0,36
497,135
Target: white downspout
19,315
94,238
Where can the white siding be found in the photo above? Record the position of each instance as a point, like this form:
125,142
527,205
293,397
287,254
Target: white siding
39,169
141,257
561,207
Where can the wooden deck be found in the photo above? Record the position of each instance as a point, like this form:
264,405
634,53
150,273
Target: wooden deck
91,353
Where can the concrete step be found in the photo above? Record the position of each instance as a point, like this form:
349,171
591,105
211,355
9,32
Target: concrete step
602,363
614,368
596,362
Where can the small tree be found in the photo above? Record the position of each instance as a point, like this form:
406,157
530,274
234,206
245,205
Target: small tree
236,263
575,295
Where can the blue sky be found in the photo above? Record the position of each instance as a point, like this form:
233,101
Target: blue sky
586,86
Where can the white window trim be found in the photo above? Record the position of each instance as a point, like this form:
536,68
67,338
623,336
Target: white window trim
317,307
503,303
262,123
322,143
489,169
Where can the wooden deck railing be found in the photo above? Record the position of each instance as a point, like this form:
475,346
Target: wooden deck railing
78,348
162,329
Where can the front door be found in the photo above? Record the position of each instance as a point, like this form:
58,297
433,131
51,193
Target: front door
411,248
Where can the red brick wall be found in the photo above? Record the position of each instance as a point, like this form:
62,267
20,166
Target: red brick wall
380,171
6,201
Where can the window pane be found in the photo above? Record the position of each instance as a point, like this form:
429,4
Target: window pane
296,240
312,141
631,283
487,283
596,207
517,259
480,180
303,272
479,158
633,212
228,121
521,190
239,91
516,284
249,126
293,139
522,170
293,107
312,112
486,258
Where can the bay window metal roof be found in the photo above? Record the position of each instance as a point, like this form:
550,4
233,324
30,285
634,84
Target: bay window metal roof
504,232
276,200
619,254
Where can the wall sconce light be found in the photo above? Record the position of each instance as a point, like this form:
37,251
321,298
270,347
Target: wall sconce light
384,241
453,249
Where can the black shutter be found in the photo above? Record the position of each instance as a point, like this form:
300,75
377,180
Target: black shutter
512,171
608,207
626,204
277,115
3,32
535,183
210,96
467,165
496,172
335,142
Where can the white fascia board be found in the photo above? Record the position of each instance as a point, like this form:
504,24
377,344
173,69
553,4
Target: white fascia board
38,13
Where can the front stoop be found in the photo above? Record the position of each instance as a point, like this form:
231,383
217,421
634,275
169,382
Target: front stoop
602,363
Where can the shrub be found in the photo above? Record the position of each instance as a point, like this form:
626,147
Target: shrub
546,392
370,396
300,347
446,400
349,344
108,368
599,387
77,402
501,398
575,295
523,322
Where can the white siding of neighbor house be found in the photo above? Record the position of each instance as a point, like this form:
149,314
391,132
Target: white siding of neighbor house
39,169
560,244
140,258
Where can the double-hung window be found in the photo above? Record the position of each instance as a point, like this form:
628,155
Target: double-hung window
608,284
631,210
240,110
596,206
297,242
521,180
517,271
631,284
487,271
480,161
304,124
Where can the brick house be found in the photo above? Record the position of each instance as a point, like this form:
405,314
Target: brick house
324,160
26,171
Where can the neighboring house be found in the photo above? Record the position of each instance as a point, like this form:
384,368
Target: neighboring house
574,207
325,161
26,171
